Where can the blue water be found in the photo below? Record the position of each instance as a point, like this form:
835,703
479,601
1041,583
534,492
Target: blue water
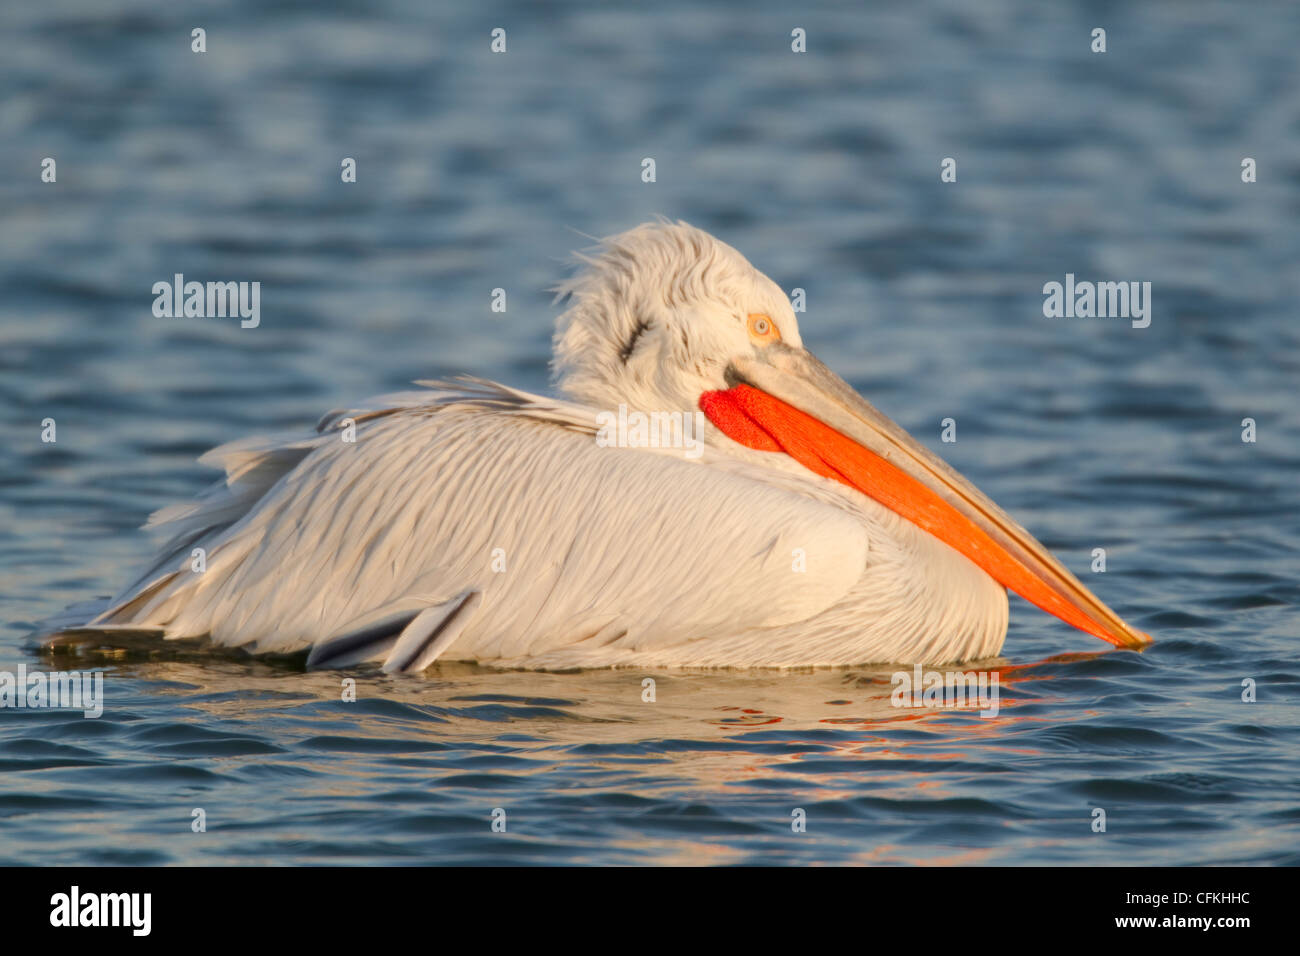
478,171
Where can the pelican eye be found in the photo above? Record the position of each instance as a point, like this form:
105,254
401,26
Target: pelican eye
762,328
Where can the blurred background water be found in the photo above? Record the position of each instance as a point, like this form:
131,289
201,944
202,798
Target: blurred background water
479,170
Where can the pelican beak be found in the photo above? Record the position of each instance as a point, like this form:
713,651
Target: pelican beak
788,401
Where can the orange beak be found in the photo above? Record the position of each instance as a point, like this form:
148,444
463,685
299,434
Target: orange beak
831,430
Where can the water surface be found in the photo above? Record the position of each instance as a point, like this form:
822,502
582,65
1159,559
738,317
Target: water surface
478,171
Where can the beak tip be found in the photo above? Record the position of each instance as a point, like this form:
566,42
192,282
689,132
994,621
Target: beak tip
1138,640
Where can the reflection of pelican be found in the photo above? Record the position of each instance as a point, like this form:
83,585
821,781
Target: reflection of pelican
478,522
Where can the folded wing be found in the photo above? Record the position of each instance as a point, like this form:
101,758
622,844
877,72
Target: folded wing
479,489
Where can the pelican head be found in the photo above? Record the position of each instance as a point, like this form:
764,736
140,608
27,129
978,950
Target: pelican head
667,318
658,315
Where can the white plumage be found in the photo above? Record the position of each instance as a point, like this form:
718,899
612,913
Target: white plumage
473,521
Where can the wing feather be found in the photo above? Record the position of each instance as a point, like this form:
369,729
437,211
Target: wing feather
477,487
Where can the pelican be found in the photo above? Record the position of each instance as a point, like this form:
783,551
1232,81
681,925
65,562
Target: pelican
778,520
